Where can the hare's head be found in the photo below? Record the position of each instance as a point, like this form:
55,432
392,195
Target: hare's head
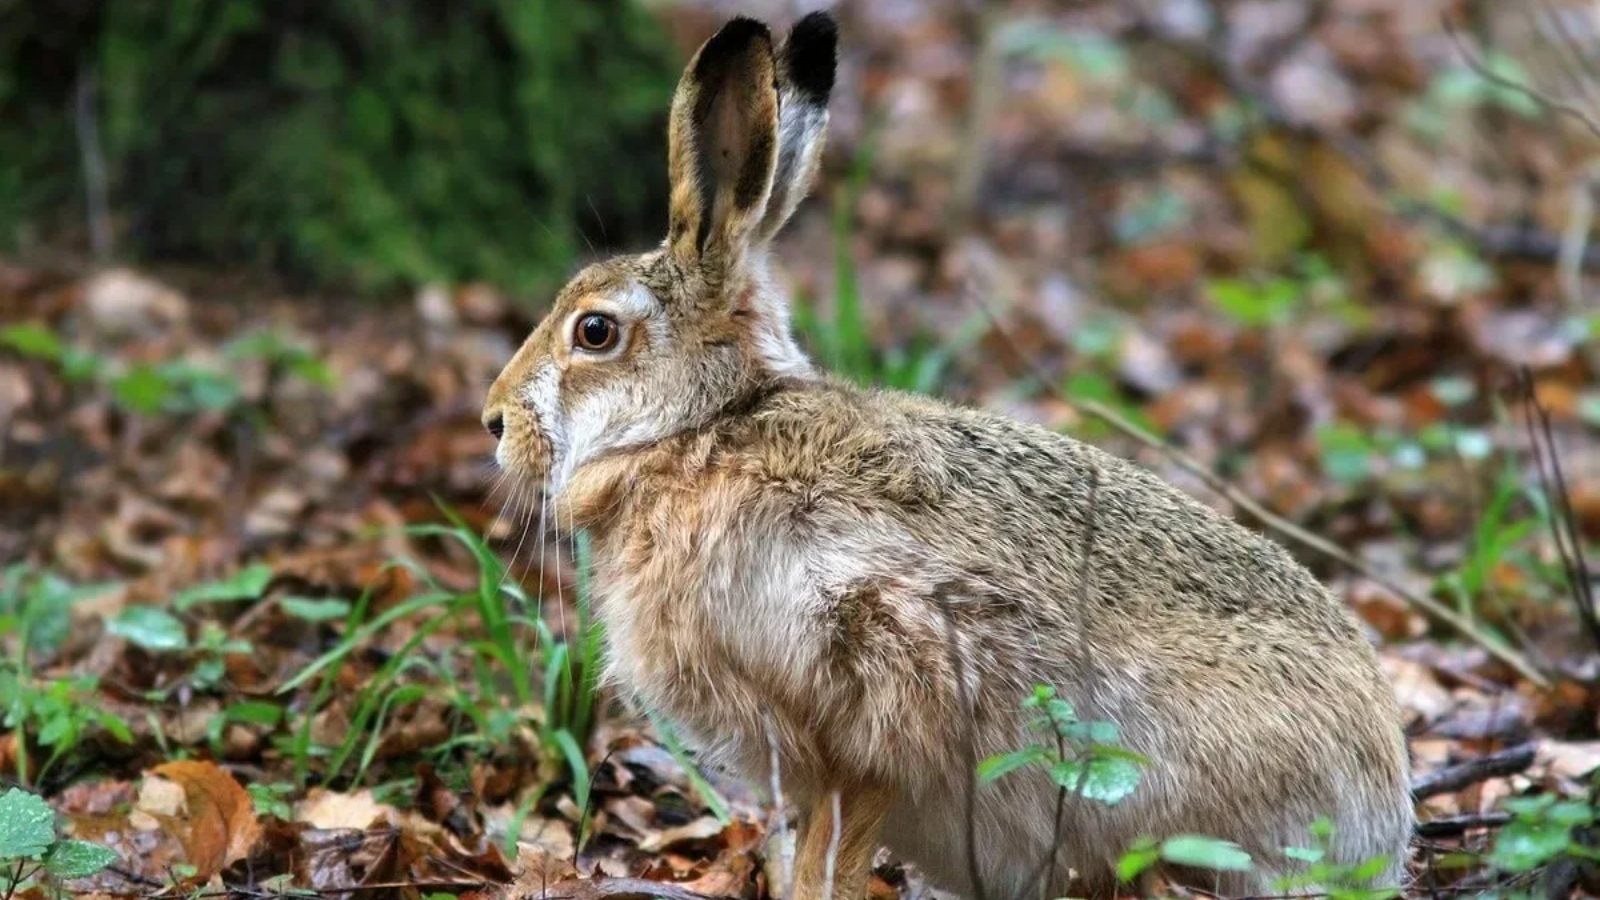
642,347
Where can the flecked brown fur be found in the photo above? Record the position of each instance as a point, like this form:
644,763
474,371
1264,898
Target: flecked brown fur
780,554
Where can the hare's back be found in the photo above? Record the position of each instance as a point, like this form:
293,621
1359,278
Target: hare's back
1020,505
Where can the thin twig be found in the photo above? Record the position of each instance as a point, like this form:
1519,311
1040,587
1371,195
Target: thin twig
1574,242
988,88
620,889
1239,498
1499,764
1455,826
1563,523
1544,100
588,805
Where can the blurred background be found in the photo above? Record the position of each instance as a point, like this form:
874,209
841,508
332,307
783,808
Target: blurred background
1316,261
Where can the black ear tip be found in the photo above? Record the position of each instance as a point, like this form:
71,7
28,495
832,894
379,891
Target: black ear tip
735,36
811,54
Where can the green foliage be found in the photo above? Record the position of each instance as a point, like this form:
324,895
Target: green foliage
1092,54
157,630
498,703
1351,455
1460,88
246,584
353,140
1094,387
29,846
172,387
151,628
27,825
308,609
272,799
1256,304
1081,757
1338,881
708,794
35,610
1541,832
56,714
1193,850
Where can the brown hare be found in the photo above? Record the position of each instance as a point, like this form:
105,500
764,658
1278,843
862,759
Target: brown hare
864,585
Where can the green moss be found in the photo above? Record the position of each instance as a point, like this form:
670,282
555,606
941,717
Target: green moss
373,142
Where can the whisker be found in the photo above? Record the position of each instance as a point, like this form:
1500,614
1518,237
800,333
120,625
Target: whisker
561,598
577,574
544,544
526,522
507,504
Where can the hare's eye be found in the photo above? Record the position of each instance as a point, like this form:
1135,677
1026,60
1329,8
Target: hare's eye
596,332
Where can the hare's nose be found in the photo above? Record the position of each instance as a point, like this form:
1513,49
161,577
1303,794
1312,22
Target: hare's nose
493,421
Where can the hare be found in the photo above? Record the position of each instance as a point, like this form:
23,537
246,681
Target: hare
863,586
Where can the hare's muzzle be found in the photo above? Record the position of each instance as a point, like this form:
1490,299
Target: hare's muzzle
522,449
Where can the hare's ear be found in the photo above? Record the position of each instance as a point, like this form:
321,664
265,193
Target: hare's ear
722,144
806,66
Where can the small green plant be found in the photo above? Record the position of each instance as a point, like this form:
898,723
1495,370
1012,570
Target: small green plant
1257,304
35,341
57,714
1095,388
31,849
1082,757
1192,850
160,631
488,683
1541,831
272,799
1337,881
168,387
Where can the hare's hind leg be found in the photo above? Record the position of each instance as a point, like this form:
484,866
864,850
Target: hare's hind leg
841,843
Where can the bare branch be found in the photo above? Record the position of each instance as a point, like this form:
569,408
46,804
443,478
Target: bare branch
1543,99
1454,778
1455,826
1563,523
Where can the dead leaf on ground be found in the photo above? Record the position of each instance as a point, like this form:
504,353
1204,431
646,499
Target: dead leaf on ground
205,807
331,811
697,830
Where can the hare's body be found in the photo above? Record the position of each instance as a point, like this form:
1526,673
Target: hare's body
787,571
864,586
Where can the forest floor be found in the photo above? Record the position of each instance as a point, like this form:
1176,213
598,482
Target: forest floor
271,625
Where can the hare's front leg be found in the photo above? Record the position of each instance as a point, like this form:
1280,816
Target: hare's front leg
861,814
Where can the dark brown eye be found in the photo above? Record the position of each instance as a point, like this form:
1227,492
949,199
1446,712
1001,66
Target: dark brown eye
596,332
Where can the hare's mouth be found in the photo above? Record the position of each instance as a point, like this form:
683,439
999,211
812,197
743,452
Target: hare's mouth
524,452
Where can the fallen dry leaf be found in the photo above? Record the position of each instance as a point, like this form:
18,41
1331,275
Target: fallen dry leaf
1571,761
210,812
330,811
697,830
